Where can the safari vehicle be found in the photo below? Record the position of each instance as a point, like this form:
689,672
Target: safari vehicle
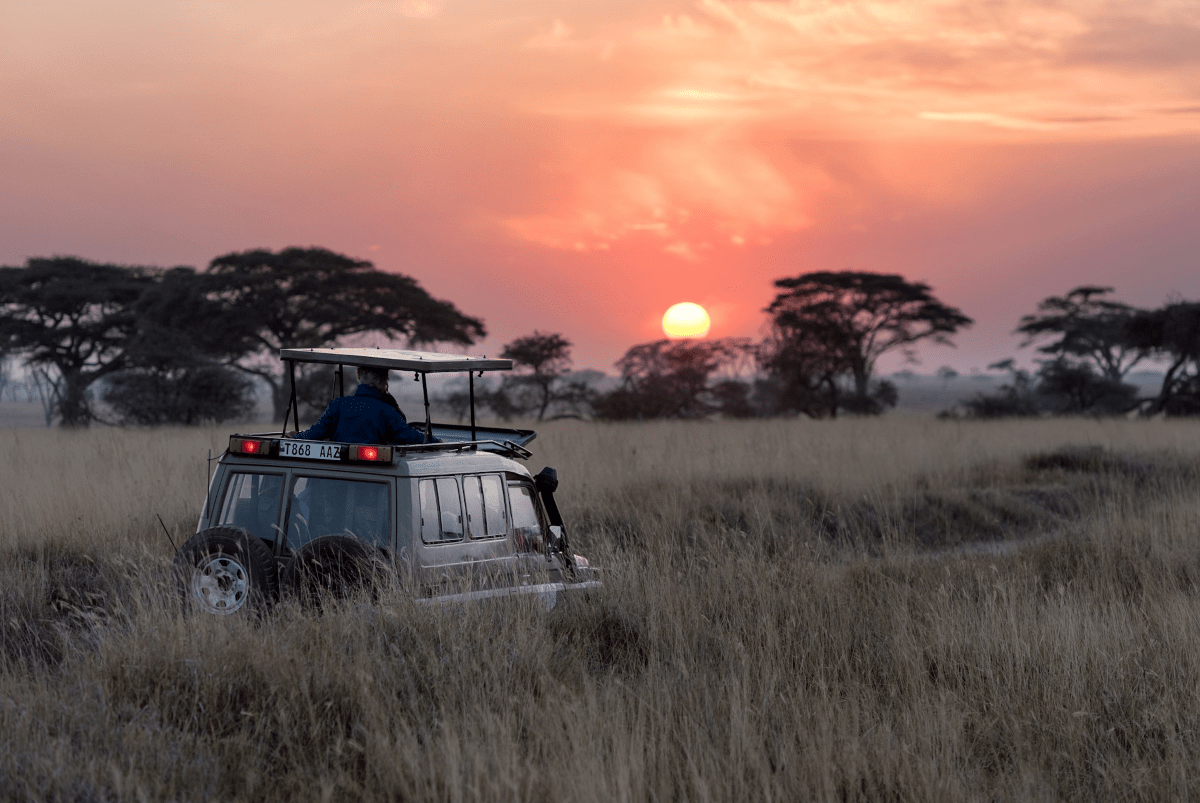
460,519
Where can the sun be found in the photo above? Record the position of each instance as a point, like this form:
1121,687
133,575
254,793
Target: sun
685,320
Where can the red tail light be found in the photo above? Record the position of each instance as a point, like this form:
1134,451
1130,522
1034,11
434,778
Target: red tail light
371,454
250,446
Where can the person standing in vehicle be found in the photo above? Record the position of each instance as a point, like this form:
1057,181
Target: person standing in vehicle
369,416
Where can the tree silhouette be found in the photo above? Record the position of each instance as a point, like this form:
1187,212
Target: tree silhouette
73,319
669,378
311,297
176,361
825,325
1084,326
804,362
540,361
1172,332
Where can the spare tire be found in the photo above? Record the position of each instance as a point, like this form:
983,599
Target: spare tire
226,570
337,566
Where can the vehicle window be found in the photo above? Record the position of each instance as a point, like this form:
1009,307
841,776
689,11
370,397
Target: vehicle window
322,506
252,503
485,506
431,529
527,528
441,510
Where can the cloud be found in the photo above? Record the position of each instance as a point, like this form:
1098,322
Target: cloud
680,193
707,97
997,120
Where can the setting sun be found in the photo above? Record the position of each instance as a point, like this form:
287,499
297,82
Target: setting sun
685,320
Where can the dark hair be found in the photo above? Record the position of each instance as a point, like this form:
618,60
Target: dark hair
372,376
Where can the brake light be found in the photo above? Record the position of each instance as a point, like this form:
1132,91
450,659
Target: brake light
372,454
249,446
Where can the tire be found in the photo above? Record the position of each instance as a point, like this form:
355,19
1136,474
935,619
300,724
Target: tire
224,571
336,566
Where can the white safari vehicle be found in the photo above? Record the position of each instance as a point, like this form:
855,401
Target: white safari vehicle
456,520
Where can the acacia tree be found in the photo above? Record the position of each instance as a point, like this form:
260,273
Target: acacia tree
177,358
311,297
670,378
830,324
73,320
1084,326
540,362
804,359
1172,332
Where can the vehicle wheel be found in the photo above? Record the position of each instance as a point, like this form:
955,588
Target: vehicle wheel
336,566
224,570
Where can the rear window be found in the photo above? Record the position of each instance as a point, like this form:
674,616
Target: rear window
252,503
323,506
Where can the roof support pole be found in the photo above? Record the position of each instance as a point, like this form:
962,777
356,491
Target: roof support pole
291,399
428,422
341,373
471,393
293,403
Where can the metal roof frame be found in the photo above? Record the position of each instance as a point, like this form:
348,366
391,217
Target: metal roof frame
421,363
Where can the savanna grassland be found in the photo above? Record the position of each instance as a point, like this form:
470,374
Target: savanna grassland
886,609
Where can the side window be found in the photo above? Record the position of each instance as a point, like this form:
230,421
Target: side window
322,506
431,528
485,506
441,510
527,528
252,503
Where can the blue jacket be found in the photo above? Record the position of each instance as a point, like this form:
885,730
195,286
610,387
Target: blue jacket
362,418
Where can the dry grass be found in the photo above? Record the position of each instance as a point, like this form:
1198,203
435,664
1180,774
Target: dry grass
891,609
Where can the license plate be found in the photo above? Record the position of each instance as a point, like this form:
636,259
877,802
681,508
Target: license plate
313,450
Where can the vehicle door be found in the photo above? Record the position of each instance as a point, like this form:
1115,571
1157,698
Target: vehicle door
462,533
530,528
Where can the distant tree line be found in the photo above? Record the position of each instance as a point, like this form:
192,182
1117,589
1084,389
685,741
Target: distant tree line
133,344
1089,343
826,332
157,346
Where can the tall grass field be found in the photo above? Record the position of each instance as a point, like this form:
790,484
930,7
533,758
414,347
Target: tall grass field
889,609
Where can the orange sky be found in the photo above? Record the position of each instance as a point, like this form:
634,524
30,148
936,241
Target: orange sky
579,167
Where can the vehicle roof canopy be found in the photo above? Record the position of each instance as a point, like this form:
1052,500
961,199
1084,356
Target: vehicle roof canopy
422,362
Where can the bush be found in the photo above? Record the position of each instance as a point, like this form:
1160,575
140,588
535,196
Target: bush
198,395
1068,387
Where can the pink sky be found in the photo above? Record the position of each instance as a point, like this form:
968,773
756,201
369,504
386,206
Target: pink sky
579,167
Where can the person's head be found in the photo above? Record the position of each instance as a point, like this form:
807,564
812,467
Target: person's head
372,376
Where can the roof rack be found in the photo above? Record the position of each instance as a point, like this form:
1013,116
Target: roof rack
268,444
421,363
505,448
